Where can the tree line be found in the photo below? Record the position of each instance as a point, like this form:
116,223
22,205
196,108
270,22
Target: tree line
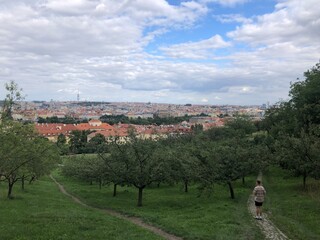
115,119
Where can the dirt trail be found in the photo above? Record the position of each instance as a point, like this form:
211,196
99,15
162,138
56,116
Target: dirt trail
134,220
267,227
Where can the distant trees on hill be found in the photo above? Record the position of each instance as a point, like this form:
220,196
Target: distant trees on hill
115,119
65,120
143,121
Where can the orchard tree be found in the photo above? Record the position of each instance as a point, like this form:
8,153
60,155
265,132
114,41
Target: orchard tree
300,154
115,158
182,161
23,152
143,161
86,168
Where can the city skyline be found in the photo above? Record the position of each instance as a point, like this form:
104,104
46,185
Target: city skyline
217,52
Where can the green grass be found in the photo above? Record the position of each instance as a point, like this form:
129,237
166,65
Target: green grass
42,212
184,214
294,210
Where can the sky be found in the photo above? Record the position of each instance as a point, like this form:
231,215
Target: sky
236,52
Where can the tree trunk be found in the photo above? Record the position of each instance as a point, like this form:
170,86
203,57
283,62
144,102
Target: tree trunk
115,190
231,190
10,187
243,181
304,180
22,182
140,196
32,179
100,183
186,186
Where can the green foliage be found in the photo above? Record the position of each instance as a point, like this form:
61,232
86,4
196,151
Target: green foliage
96,144
85,167
78,141
228,154
14,94
65,120
23,154
294,127
111,119
62,144
143,164
242,125
305,97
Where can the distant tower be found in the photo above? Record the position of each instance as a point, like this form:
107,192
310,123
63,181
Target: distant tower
78,96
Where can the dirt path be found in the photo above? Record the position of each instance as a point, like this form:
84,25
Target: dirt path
267,227
134,220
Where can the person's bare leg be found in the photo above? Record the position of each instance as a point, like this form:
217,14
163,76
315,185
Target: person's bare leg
257,211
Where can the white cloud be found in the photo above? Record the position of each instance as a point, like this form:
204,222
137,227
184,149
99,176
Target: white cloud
229,3
97,47
230,18
196,50
293,21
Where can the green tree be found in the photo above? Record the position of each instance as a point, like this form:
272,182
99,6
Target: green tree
23,153
96,144
62,144
294,126
144,165
14,94
86,168
305,98
182,161
78,141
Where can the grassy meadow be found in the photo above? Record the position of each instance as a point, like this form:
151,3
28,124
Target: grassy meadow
43,212
184,214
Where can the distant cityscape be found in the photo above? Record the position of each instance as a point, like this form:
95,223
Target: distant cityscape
32,111
90,116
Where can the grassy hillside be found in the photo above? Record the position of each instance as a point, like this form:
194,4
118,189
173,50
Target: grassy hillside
42,212
184,214
293,209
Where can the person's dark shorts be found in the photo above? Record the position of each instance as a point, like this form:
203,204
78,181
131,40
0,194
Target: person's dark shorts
258,204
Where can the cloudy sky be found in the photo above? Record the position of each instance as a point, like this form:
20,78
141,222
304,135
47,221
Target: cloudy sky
166,51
